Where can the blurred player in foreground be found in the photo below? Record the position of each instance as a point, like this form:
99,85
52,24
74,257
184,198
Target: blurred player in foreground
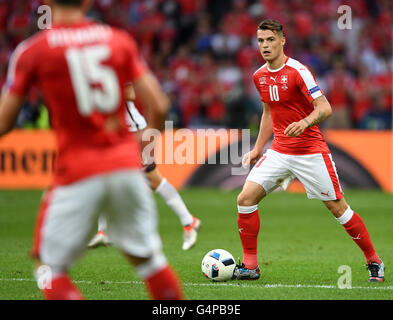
293,106
98,164
191,225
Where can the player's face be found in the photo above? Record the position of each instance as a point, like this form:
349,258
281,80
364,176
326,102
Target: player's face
270,44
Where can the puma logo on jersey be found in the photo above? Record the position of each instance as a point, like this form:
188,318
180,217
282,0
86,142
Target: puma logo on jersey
273,78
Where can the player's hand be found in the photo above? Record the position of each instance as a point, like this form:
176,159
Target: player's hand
295,128
250,157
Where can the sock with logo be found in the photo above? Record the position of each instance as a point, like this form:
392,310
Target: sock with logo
249,224
356,228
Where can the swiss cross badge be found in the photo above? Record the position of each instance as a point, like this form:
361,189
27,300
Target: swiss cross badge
284,78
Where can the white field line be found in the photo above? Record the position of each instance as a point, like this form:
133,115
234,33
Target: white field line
223,284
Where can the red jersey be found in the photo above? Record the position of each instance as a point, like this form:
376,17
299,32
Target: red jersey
289,92
81,71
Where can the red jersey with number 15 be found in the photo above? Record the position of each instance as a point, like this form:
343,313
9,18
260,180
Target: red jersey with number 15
289,92
81,70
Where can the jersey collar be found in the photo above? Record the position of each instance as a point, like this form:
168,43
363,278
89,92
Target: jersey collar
278,69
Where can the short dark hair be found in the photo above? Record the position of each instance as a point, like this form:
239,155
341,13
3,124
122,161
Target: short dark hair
69,3
272,25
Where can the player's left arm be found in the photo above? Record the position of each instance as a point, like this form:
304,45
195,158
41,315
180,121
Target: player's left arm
10,105
322,110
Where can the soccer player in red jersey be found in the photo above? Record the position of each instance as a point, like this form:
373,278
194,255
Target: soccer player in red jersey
293,106
81,68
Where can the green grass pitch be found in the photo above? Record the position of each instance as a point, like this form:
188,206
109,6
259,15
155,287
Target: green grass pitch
301,247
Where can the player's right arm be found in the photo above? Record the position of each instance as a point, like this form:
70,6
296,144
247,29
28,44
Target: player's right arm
10,105
265,132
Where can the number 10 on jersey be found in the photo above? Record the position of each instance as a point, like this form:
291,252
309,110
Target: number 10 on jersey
273,91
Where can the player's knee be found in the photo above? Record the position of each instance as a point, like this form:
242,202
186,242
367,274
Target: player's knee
337,211
245,200
337,207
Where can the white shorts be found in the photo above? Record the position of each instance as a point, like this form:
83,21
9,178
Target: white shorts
69,215
317,173
134,119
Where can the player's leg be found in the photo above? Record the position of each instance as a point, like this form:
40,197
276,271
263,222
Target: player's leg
268,173
100,238
355,227
161,280
132,226
248,222
170,195
54,284
66,217
319,177
172,198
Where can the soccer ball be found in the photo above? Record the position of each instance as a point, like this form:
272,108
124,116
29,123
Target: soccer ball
218,265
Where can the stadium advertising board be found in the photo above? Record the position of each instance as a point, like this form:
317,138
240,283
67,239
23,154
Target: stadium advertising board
364,158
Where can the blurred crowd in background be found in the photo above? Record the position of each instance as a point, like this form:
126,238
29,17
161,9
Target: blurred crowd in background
204,52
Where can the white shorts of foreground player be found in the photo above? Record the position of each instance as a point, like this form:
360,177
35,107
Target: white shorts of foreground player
69,217
317,173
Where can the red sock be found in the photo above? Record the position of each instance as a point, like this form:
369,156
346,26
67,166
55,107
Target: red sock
249,225
358,232
62,289
164,285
